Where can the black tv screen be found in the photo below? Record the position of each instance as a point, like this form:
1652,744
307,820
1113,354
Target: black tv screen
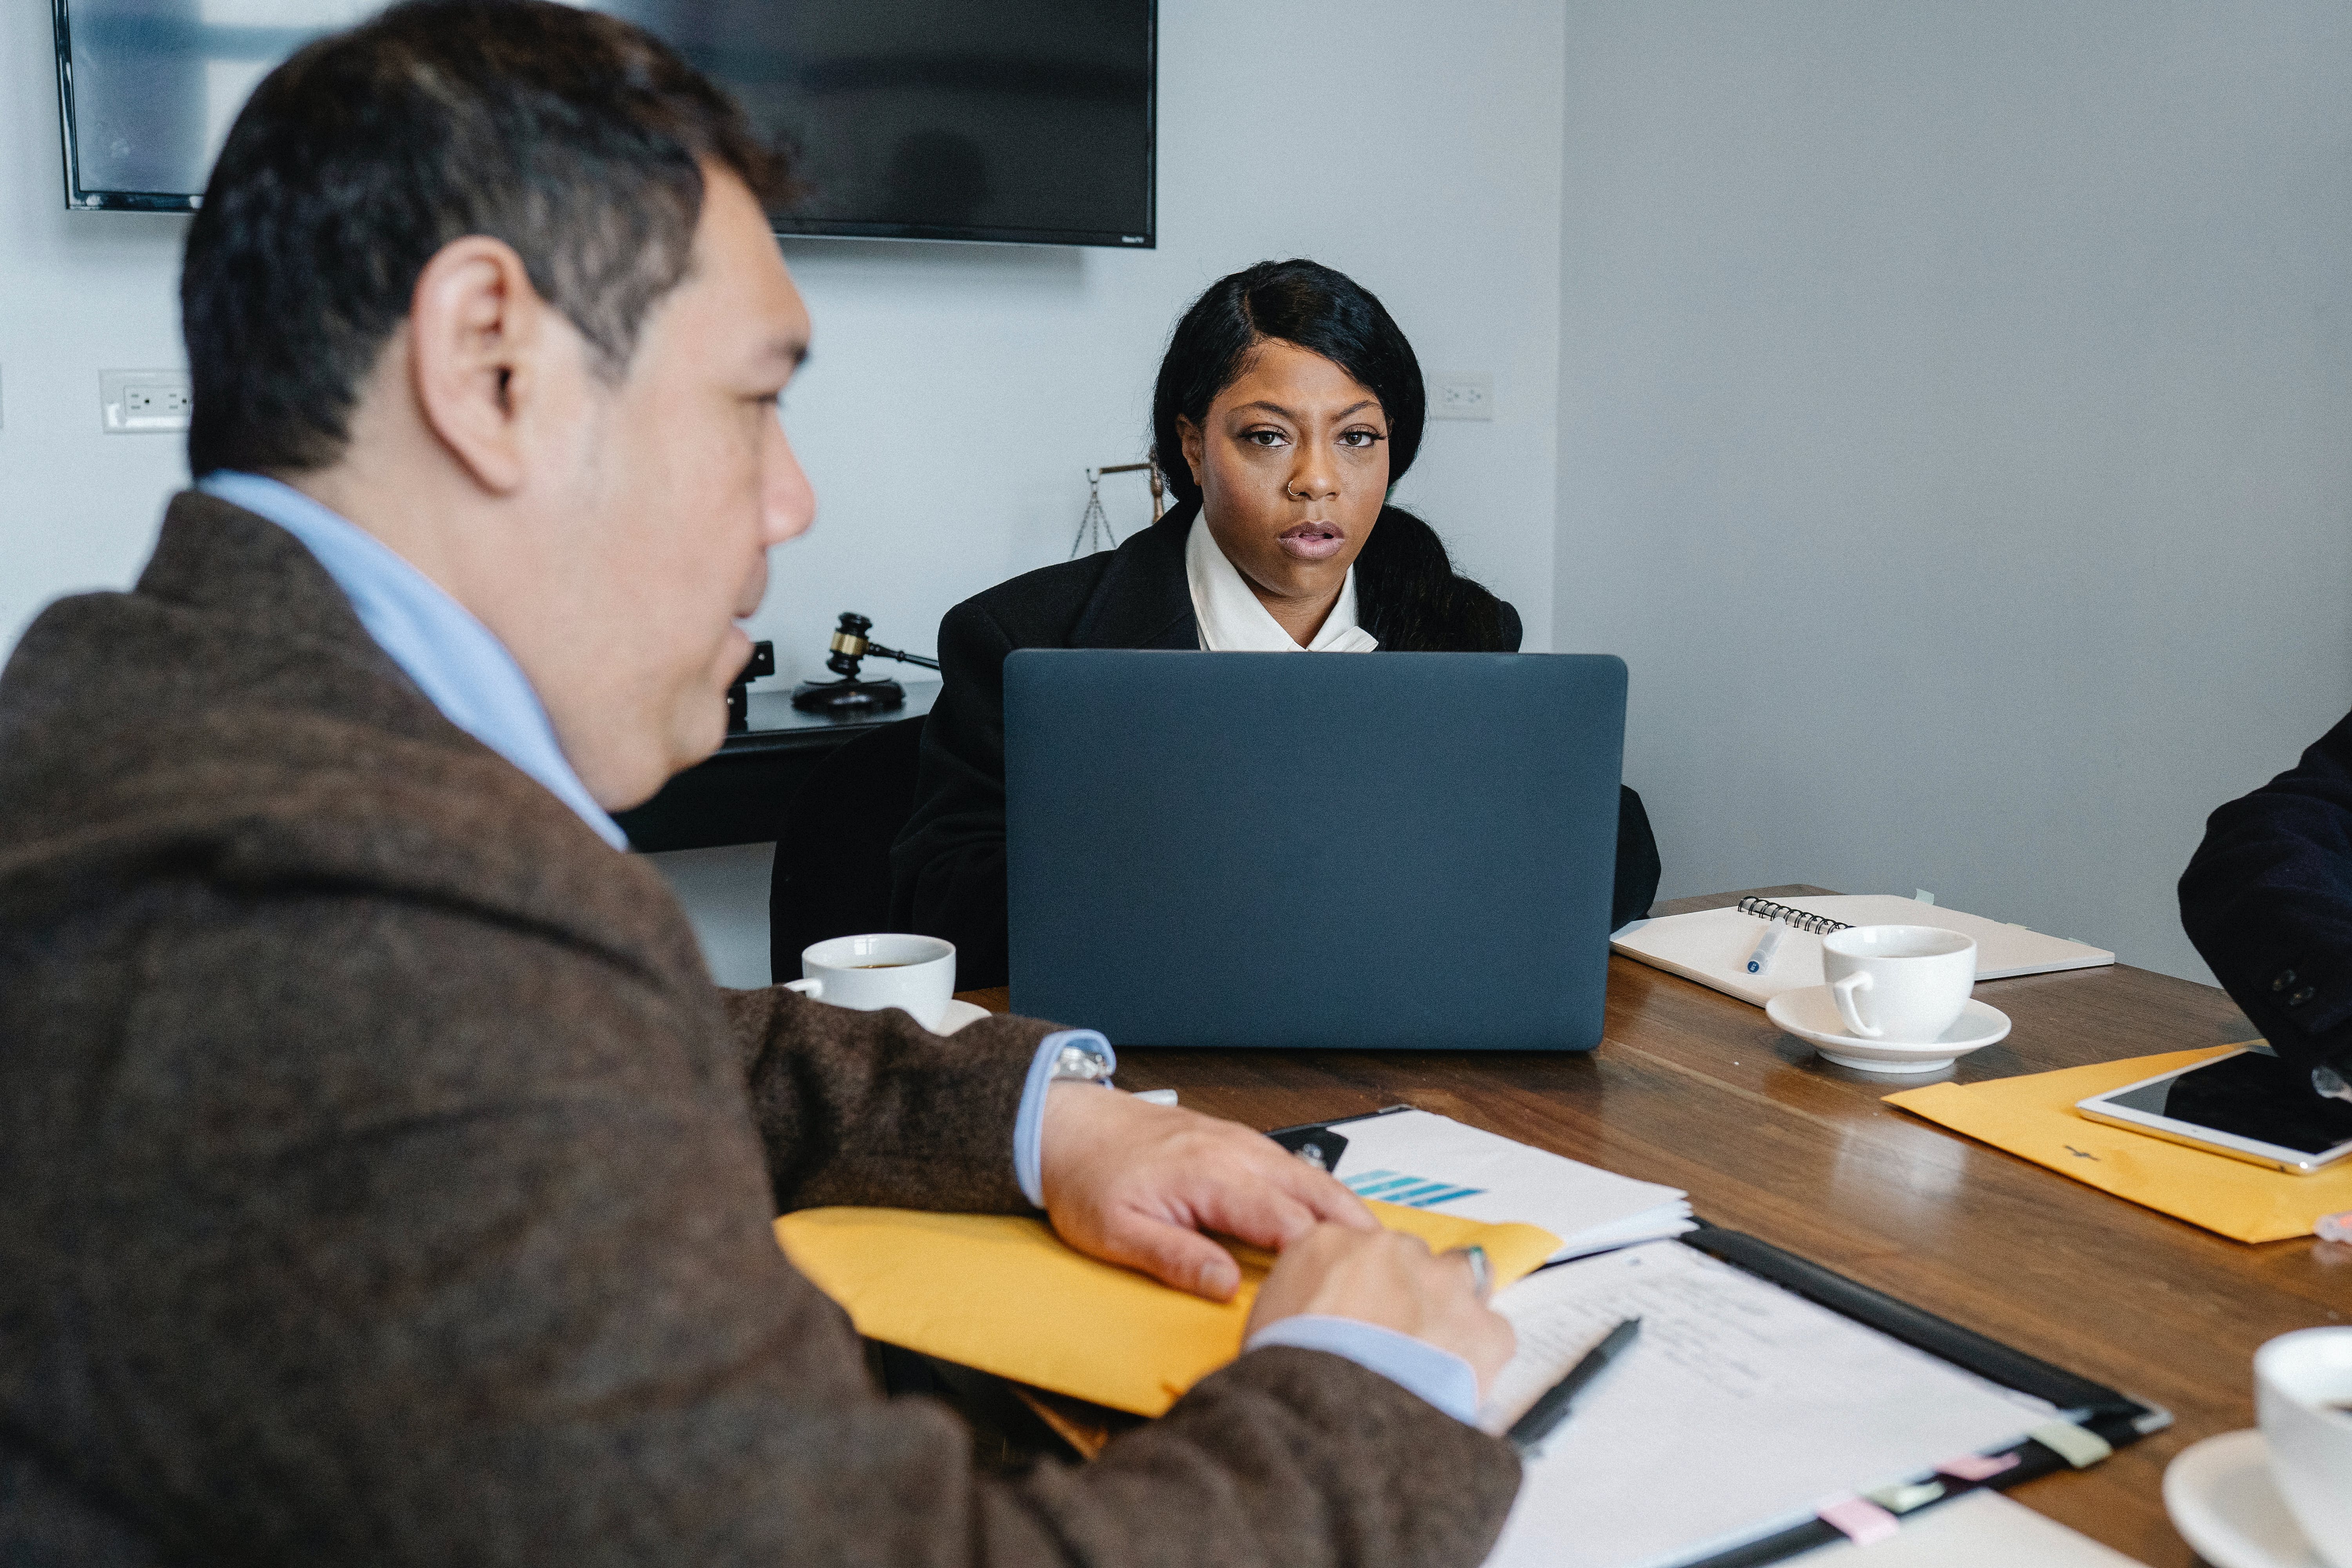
1026,120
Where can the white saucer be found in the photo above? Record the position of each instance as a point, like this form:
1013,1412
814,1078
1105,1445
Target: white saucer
2222,1501
1812,1016
958,1015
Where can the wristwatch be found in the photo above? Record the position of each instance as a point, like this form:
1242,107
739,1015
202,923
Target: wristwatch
1076,1063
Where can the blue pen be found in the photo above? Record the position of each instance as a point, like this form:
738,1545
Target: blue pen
1764,950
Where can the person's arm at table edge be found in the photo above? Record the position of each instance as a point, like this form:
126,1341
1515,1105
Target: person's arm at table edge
2267,902
872,1109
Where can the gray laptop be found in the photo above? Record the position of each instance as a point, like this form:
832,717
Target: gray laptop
1385,851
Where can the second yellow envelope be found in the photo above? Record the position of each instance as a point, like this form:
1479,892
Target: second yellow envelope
2034,1116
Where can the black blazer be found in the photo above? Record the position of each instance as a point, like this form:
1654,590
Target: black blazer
948,865
2267,899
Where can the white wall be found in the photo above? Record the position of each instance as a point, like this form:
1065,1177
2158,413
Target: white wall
79,292
1956,433
957,392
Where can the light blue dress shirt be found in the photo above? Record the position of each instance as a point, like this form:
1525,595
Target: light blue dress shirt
467,672
457,662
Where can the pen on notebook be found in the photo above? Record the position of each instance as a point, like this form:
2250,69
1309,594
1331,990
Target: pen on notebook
1763,956
1547,1412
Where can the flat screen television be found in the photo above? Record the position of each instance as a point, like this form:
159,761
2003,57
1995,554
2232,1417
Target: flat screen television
1022,121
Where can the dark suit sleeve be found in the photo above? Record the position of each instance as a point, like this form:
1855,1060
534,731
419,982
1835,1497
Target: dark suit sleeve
873,1109
1635,887
2267,899
946,869
456,1249
1638,866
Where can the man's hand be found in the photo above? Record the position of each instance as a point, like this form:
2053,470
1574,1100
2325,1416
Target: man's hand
1393,1281
1137,1184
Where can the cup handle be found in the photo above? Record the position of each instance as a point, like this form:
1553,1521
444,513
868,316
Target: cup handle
1843,991
812,989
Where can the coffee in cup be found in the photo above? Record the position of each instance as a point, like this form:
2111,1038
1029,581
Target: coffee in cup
888,969
1904,985
2302,1396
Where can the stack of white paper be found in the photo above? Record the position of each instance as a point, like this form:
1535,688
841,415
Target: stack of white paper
1421,1160
1740,1410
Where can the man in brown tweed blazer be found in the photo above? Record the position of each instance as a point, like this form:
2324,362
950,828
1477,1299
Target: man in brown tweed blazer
382,1178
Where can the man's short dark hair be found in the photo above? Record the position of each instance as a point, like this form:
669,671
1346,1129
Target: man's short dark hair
575,138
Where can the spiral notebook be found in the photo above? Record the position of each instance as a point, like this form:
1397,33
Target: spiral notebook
1712,946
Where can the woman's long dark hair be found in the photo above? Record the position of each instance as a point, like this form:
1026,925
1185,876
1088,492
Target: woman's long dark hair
1407,594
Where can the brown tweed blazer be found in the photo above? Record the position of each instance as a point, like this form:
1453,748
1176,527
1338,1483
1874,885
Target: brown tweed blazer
383,1180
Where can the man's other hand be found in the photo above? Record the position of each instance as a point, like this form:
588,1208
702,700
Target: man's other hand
1390,1280
1137,1184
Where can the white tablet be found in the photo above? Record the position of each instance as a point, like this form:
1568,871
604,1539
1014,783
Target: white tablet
2248,1105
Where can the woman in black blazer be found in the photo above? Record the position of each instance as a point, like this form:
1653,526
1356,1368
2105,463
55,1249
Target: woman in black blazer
1294,403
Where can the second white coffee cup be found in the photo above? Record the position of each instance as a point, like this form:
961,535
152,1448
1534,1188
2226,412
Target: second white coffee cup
2302,1395
887,969
1900,983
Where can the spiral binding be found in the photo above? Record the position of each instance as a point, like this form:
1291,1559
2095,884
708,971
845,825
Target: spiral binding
1766,910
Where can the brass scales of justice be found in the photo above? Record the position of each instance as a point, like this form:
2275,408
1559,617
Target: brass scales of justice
1094,528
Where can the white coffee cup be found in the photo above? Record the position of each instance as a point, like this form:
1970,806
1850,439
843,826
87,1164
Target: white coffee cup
2303,1395
888,969
1900,983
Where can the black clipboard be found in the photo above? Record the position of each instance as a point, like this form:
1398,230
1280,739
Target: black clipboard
2116,1419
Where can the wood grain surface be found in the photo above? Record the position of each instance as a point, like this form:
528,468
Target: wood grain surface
1693,1089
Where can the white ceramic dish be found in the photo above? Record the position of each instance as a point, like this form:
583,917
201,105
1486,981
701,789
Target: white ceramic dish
880,969
1812,1016
959,1014
2223,1502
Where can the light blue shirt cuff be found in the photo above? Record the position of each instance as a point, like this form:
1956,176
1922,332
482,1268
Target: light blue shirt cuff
1441,1377
1029,1127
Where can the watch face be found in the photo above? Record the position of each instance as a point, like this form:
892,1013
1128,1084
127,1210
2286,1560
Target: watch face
1077,1061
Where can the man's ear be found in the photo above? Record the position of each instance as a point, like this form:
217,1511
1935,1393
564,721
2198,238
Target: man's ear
476,331
1189,435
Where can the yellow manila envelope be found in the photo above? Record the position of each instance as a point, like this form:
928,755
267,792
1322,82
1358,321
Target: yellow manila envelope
2034,1116
1007,1295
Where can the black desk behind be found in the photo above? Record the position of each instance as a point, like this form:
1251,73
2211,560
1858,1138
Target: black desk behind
738,794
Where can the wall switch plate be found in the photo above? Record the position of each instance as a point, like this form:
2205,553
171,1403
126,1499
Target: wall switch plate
143,401
1464,396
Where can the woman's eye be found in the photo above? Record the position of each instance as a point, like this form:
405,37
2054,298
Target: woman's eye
1263,437
1359,438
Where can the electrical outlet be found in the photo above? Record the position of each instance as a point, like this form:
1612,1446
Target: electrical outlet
1467,395
143,401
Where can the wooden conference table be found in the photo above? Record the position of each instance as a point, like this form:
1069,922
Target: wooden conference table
1696,1089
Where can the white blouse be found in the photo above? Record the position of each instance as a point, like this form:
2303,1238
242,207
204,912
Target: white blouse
1233,620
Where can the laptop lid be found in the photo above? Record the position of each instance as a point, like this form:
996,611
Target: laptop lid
1385,851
